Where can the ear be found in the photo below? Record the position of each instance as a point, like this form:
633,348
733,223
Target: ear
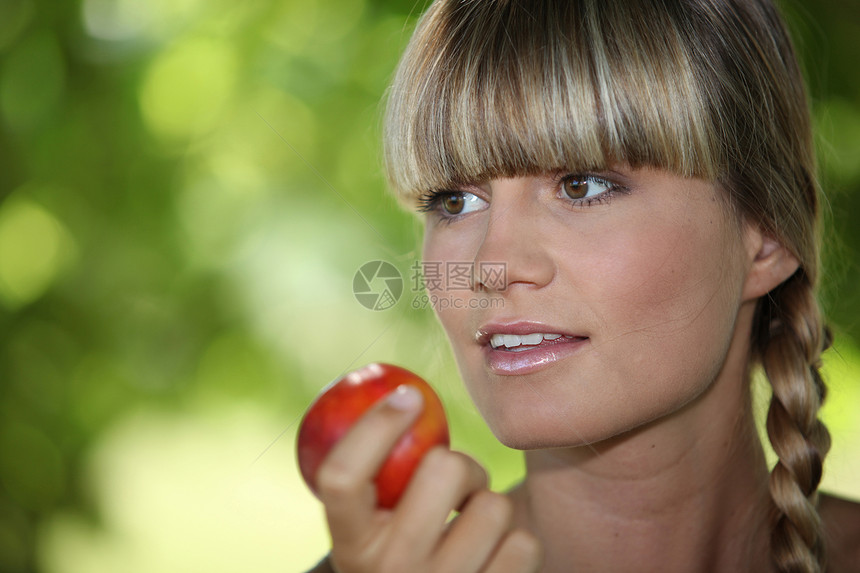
770,263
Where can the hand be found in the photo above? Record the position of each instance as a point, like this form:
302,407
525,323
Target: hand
414,537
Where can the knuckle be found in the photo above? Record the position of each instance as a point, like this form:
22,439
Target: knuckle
438,455
351,564
394,562
442,462
470,469
525,545
494,506
335,480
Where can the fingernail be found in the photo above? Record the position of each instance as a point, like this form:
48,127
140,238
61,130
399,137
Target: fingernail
405,398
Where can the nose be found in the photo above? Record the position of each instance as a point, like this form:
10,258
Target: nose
512,252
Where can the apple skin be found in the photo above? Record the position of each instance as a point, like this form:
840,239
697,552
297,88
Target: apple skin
342,403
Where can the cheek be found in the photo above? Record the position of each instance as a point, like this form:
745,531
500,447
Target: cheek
661,276
667,294
449,261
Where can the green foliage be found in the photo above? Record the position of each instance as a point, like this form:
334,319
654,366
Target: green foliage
186,190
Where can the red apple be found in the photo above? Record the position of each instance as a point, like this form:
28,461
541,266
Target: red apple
340,405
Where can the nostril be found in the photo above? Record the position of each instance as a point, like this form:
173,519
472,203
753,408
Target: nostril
490,276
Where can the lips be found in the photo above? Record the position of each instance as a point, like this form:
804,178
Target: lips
523,347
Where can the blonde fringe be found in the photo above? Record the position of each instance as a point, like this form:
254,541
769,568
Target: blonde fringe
500,88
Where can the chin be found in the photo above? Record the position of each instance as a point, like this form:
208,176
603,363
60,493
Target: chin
536,442
553,422
544,430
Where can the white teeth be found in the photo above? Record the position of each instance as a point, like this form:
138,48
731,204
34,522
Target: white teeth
514,340
532,339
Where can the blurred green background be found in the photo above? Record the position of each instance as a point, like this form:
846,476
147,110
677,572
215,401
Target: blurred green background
187,188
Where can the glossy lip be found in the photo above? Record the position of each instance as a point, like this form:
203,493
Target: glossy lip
520,327
514,363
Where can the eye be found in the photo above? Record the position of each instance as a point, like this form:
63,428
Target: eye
451,203
578,186
460,202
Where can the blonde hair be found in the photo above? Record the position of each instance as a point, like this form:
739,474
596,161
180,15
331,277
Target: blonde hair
701,88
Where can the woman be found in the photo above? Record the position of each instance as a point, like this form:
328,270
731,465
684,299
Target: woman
645,172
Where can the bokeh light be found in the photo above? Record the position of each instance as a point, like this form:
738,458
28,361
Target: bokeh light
186,89
34,249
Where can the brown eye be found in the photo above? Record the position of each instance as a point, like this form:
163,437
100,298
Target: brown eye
450,204
453,203
587,189
575,187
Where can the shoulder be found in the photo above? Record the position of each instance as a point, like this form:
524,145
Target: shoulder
841,520
323,566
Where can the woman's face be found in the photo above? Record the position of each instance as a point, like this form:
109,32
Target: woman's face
640,272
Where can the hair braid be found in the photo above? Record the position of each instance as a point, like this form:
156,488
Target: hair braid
790,339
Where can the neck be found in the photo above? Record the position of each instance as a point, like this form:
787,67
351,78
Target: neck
688,493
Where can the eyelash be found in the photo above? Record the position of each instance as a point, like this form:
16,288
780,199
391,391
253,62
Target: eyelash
429,201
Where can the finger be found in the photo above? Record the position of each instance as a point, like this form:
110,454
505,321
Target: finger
519,552
345,478
472,538
443,480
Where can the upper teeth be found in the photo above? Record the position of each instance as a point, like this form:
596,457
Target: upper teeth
514,340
